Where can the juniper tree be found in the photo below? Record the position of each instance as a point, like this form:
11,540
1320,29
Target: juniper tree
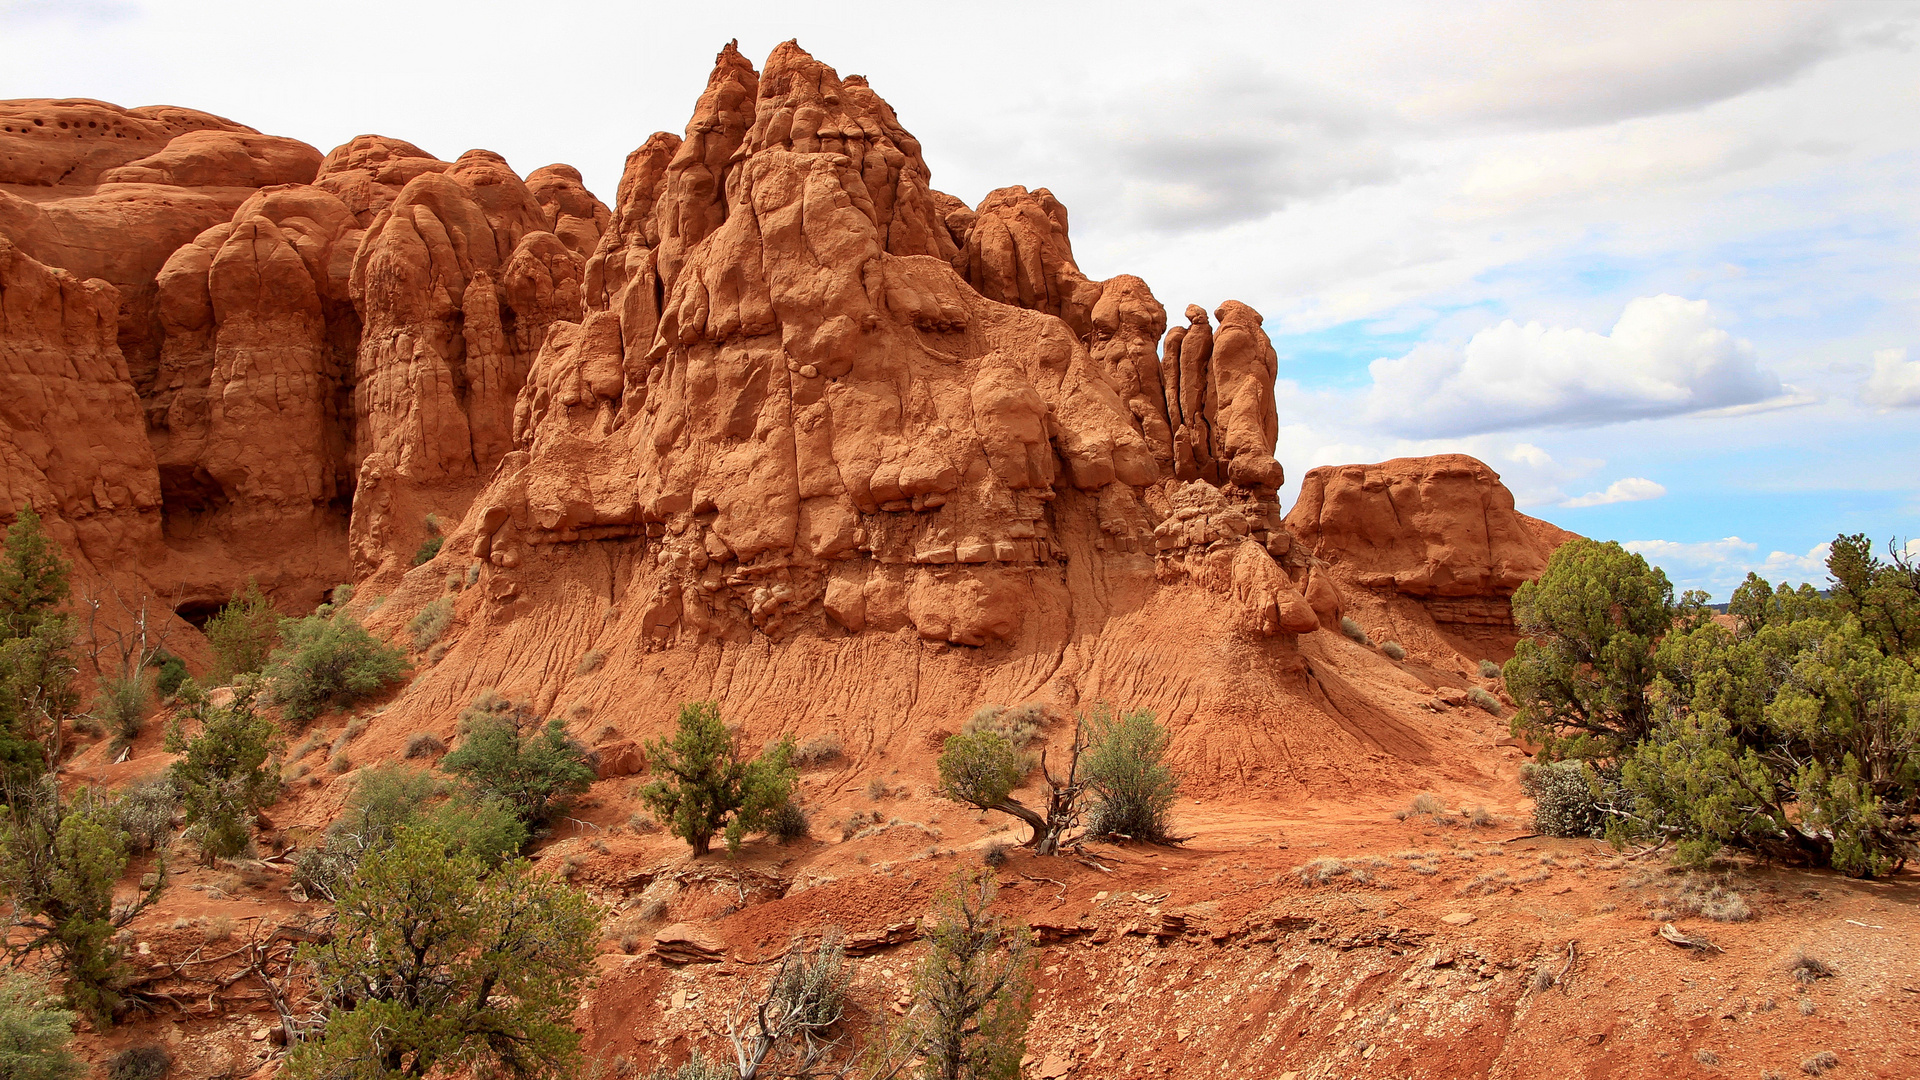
59,861
438,963
225,773
1581,672
708,786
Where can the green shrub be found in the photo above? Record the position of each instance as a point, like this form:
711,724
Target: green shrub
172,672
1352,628
224,774
122,705
329,662
432,621
149,1062
428,550
508,755
1485,700
36,1037
1395,650
242,634
1489,669
1134,788
706,786
789,823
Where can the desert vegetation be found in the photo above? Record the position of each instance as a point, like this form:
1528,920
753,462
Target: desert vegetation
1793,733
707,786
1120,760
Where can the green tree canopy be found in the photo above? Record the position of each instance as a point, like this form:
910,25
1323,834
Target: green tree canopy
439,963
1581,672
33,576
243,634
707,786
37,691
225,772
36,1037
509,756
59,861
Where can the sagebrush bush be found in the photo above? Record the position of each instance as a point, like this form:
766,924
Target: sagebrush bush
1018,725
329,662
1489,669
1354,630
36,1037
817,751
1570,798
146,809
789,823
1485,700
431,621
590,661
425,744
1426,804
1807,968
148,1062
1133,787
1394,650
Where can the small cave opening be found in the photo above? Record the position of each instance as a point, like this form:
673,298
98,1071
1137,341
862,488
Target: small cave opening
197,612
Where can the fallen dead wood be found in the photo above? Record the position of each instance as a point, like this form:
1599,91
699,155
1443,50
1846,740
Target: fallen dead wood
1687,941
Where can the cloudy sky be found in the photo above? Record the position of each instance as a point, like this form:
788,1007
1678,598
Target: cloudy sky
1658,264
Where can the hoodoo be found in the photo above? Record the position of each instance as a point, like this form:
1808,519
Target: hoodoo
784,421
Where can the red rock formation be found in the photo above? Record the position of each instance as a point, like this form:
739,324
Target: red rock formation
232,256
1442,530
822,423
784,425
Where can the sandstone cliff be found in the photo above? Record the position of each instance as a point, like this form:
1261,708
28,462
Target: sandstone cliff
786,425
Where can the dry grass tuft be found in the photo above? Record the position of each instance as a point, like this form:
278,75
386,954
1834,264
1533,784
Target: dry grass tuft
1820,1063
1807,968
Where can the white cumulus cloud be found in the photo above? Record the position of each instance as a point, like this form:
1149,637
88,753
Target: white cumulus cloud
1625,489
1721,565
1665,356
1895,382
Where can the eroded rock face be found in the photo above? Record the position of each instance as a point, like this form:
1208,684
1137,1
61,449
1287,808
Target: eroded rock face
821,394
71,443
234,262
1441,529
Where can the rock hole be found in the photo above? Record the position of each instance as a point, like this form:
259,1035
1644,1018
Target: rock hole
197,612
